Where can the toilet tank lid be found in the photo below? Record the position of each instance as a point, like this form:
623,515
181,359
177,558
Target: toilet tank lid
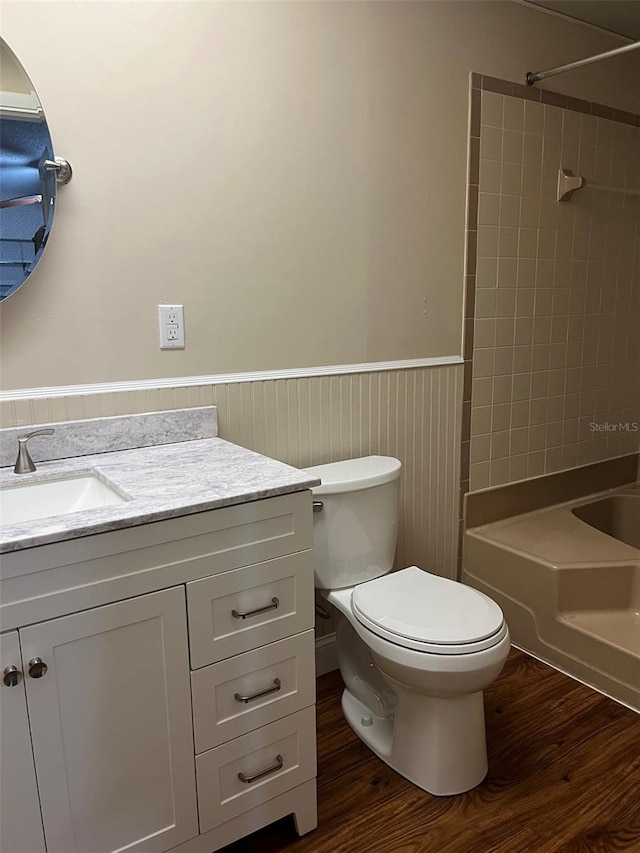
352,474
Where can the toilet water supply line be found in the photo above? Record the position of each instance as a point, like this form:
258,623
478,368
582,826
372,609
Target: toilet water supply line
532,77
322,611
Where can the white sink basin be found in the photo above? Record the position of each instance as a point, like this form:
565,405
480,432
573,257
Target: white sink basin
29,501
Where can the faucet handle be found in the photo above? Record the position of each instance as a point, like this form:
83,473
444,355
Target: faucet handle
24,462
25,438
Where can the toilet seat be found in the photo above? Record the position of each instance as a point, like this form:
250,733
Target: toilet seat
424,612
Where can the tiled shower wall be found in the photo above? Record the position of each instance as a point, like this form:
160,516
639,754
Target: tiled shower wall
411,414
554,305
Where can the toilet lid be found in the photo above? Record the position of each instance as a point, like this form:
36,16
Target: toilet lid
412,607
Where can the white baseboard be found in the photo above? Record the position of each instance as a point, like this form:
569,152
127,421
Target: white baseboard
326,655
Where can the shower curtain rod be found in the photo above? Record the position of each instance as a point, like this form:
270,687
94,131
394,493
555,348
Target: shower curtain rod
532,77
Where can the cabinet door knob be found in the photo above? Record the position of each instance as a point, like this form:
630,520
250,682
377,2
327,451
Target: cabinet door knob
37,668
11,676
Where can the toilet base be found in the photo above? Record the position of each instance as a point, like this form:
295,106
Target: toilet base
438,744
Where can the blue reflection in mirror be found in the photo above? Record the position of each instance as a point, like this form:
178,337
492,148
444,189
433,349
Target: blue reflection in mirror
27,189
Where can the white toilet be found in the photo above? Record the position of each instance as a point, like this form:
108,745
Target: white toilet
415,650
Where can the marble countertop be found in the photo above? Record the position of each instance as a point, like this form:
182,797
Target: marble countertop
162,482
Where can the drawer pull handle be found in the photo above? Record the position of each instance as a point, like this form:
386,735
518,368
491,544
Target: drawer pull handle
275,603
269,690
274,767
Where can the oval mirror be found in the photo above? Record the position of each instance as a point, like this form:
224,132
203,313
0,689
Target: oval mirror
27,185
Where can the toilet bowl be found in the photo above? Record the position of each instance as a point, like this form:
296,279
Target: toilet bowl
415,650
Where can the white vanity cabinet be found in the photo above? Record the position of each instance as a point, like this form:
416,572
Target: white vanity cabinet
168,694
112,717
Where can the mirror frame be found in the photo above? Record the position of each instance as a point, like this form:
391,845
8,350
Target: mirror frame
29,174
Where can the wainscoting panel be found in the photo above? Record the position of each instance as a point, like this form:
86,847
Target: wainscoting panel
413,414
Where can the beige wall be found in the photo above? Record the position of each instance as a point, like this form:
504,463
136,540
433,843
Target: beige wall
294,173
556,360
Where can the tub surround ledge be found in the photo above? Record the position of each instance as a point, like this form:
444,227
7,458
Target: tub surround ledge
493,504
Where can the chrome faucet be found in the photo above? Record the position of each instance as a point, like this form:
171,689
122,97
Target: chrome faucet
24,462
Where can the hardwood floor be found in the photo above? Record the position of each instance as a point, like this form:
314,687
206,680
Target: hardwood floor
564,776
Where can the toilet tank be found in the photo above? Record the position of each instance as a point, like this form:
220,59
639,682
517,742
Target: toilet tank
356,530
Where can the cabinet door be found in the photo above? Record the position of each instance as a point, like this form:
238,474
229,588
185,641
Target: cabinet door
111,726
20,819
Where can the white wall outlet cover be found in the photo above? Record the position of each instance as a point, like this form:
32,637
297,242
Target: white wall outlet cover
171,323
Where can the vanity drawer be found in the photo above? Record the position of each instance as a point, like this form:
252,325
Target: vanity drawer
271,760
51,580
240,610
235,696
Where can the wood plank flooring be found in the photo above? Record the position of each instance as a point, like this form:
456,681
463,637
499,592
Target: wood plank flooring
564,777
